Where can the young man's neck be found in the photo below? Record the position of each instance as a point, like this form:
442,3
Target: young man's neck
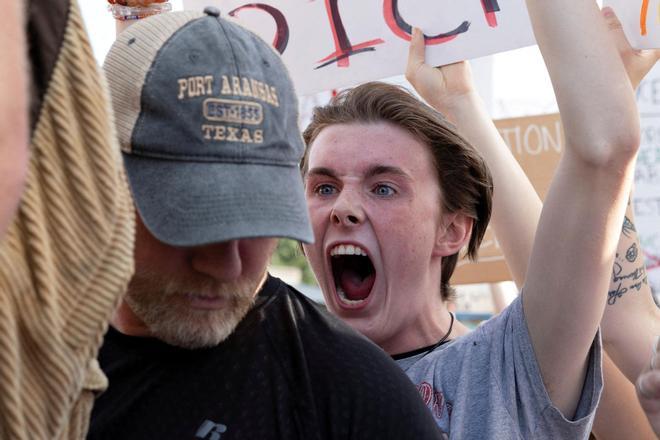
428,329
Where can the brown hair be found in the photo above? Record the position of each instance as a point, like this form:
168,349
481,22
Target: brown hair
463,177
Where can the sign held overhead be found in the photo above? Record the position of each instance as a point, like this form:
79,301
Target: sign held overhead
329,44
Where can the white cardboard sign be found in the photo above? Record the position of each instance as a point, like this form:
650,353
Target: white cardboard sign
640,20
328,44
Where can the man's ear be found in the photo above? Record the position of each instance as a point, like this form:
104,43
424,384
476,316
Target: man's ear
453,233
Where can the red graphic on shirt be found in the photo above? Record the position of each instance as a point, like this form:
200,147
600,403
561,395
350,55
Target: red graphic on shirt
435,400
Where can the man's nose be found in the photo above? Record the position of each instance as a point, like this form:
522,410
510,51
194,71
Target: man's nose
221,261
347,210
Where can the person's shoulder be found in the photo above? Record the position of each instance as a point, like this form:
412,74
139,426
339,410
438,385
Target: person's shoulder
322,333
308,315
347,373
511,317
284,300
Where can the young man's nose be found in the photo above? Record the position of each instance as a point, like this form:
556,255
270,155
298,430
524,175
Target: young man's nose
347,210
221,261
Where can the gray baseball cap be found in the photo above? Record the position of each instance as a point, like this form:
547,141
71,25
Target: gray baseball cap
207,119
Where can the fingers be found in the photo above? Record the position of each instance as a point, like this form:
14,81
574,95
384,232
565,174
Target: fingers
415,54
611,19
648,385
616,31
416,48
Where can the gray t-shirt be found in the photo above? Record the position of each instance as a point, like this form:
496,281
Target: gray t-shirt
487,385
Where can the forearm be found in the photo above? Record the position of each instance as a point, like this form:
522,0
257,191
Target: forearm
14,136
631,321
619,414
516,205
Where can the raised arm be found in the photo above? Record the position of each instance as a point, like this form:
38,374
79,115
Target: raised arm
451,91
13,111
631,320
580,224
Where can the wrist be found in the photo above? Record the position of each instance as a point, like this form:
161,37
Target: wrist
452,107
128,13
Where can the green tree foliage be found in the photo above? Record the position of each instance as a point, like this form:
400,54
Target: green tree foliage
289,253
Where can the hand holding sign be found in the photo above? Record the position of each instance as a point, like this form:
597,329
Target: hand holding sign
638,62
641,21
441,86
338,43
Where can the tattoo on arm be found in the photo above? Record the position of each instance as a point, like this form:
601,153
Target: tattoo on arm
628,227
623,280
626,282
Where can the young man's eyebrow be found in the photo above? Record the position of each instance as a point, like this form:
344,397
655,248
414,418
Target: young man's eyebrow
321,171
385,169
371,172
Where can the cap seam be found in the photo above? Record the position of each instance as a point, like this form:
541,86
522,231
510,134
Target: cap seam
234,63
143,110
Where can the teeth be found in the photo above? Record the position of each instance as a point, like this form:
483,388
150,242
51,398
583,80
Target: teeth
344,299
347,249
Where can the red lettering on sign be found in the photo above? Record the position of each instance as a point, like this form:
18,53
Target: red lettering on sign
282,34
403,30
343,47
642,16
490,8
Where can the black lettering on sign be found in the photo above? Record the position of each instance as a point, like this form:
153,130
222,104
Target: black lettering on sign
490,8
403,29
343,47
282,34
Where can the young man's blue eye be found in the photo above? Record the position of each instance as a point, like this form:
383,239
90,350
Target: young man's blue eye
325,190
384,190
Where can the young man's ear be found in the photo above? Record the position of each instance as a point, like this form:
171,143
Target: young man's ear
453,233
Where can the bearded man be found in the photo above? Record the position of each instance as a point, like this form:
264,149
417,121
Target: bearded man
205,343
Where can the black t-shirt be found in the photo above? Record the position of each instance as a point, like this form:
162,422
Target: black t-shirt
289,371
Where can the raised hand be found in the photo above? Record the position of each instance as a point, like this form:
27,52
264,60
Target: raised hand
442,86
648,389
637,62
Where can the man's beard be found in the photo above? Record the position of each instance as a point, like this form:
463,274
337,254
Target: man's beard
163,305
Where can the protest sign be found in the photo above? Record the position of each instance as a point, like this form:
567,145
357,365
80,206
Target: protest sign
536,142
329,44
640,20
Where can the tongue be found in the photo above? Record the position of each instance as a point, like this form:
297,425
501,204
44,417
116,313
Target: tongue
355,287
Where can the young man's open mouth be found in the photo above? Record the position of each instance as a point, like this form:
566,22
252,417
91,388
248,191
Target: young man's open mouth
353,273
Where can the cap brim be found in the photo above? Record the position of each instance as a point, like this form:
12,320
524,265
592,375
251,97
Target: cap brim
198,203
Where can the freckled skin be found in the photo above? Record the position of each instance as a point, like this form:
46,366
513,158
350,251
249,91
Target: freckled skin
395,215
